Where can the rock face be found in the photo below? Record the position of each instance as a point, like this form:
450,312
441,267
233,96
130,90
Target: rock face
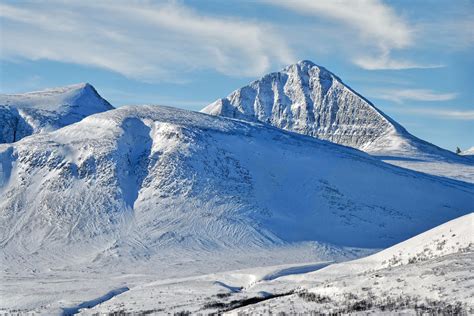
308,99
34,112
134,180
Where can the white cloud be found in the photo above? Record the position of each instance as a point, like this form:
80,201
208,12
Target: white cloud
371,18
144,40
399,95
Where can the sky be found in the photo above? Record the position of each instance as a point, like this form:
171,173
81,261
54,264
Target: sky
413,59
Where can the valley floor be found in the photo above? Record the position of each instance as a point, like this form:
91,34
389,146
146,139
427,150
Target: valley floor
76,287
443,285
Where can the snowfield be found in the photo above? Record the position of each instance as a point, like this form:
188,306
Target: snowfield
310,100
155,194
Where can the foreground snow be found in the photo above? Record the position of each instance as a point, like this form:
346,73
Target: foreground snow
430,272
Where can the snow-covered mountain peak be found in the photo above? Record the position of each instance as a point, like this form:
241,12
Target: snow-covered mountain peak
311,100
33,112
81,95
306,66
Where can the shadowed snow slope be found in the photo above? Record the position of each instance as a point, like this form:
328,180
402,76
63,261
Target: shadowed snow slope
310,100
134,180
30,113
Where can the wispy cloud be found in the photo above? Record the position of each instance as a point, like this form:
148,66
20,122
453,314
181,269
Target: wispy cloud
453,114
374,23
385,62
399,95
145,40
371,18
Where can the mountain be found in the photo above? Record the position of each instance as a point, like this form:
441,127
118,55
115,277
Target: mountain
30,113
310,100
131,182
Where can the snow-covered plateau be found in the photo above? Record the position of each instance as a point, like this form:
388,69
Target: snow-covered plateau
157,210
310,100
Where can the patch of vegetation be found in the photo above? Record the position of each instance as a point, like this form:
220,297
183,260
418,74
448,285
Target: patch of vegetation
223,295
182,313
314,297
225,307
391,304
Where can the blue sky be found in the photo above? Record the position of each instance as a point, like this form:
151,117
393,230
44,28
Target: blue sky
413,59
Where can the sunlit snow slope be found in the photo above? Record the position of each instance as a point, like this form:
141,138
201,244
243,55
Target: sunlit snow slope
309,99
134,180
30,113
431,272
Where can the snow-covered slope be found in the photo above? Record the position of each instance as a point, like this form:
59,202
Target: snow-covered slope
454,236
30,113
131,181
309,99
430,273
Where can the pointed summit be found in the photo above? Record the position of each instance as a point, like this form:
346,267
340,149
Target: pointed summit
311,100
